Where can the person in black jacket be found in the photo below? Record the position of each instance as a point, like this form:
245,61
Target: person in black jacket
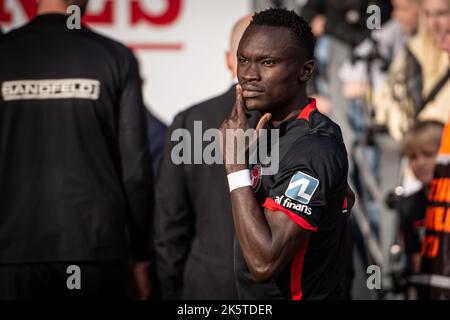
76,181
193,224
156,133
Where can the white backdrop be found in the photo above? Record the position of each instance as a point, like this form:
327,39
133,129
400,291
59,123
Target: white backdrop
181,54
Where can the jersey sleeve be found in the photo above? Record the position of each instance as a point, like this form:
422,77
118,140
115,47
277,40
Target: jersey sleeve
307,177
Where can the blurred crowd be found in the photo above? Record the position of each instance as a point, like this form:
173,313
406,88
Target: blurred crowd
390,84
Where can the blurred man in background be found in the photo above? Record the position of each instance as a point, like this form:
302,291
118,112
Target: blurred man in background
75,175
193,224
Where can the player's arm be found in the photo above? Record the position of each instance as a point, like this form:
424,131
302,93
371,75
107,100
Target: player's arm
269,239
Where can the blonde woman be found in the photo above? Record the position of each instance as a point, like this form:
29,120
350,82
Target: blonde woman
416,73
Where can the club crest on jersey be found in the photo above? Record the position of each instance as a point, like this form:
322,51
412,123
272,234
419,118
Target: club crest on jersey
255,176
302,187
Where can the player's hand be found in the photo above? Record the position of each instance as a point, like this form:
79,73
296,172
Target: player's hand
238,120
141,277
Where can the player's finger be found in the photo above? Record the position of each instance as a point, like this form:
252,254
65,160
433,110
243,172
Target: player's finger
233,112
262,123
240,103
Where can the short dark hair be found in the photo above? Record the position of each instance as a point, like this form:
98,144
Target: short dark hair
276,17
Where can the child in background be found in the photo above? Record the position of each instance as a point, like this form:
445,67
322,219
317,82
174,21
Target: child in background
421,145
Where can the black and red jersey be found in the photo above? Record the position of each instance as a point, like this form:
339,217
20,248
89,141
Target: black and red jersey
310,188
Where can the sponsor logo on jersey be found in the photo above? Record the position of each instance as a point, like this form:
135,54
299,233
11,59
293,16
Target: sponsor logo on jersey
288,204
51,89
255,176
302,187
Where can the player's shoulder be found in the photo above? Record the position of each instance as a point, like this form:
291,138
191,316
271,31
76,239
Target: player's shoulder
322,125
318,147
318,136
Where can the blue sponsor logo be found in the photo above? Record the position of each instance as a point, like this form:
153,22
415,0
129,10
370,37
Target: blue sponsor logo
302,187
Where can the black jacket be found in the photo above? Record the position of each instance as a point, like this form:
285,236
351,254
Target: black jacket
156,133
75,173
193,220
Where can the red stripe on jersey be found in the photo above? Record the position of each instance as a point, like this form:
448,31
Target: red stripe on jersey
345,205
296,273
306,111
273,206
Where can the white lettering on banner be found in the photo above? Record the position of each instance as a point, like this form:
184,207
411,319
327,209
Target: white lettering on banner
51,89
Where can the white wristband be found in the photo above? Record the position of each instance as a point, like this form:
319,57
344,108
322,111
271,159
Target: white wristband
239,179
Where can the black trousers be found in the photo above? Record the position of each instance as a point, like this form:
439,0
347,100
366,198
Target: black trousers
60,281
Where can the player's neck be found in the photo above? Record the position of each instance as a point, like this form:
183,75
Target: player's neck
291,110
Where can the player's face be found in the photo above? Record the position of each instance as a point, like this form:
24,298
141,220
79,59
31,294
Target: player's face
269,67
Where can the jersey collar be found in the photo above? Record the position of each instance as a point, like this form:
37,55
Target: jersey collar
306,111
303,115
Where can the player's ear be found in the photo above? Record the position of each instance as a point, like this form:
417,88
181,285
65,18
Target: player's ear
307,70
